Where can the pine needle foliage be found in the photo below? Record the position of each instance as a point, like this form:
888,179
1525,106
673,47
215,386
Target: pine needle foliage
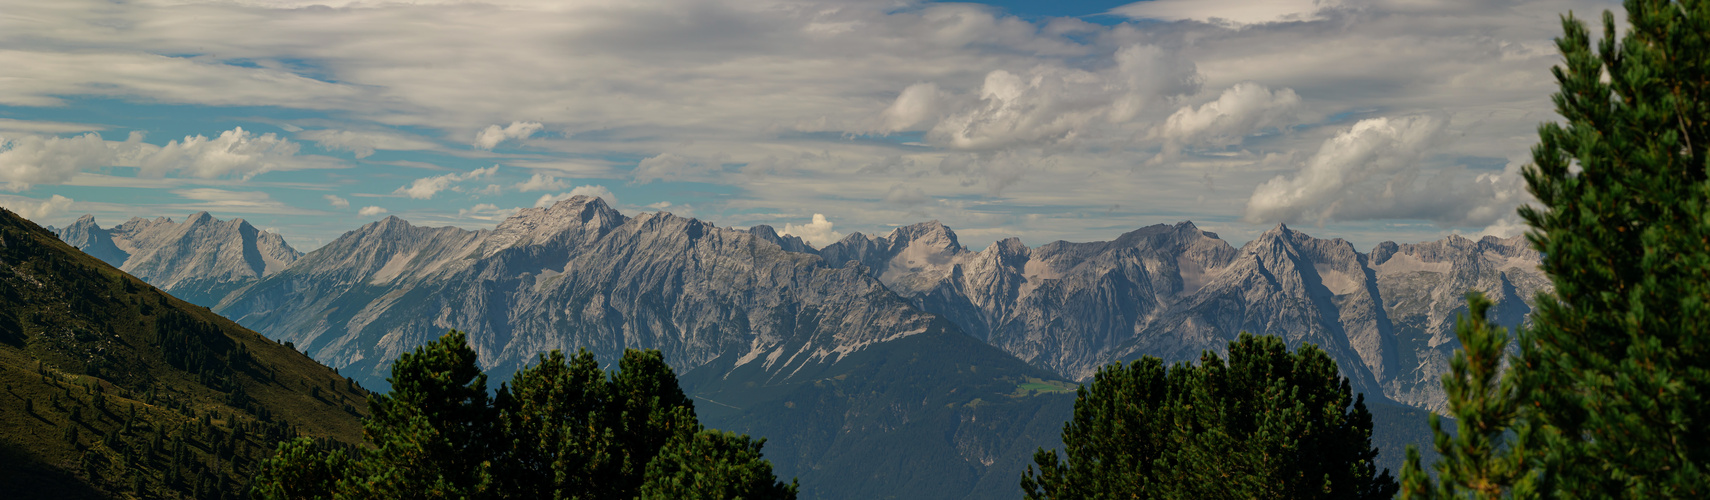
561,429
1608,386
1482,459
1269,423
1617,365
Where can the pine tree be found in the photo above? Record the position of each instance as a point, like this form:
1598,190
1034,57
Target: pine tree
1479,460
1608,387
707,464
1268,424
1616,366
554,416
559,429
650,408
300,470
433,431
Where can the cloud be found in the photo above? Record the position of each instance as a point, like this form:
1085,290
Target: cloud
370,211
1053,105
1373,170
917,103
1233,12
546,200
424,188
336,201
228,201
1050,115
905,196
1242,109
363,144
817,233
673,167
122,69
494,134
541,182
234,152
36,210
486,211
8,125
35,159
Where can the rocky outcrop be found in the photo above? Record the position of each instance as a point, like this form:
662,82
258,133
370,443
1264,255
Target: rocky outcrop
201,259
575,275
1174,291
580,274
1425,285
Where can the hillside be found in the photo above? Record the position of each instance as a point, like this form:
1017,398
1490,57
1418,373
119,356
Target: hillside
115,389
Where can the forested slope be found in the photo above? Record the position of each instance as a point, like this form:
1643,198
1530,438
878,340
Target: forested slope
115,389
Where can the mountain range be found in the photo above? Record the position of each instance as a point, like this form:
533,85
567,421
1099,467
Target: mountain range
200,259
904,341
1172,291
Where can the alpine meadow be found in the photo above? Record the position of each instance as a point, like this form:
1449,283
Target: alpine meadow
854,249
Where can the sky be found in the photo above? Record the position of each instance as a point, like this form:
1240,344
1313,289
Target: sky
1369,120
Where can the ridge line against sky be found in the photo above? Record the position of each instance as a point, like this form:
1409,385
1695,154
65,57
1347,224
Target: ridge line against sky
1374,120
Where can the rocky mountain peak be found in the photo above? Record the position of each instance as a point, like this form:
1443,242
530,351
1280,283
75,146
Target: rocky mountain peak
931,233
199,259
85,234
570,222
1383,251
790,243
199,218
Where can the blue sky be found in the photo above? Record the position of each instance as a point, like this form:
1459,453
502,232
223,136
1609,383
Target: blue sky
1369,120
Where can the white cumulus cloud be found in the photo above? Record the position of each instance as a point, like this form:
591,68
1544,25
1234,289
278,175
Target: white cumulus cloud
1053,104
1374,170
36,210
34,159
370,210
424,188
817,233
234,152
1344,169
490,137
336,201
1243,109
917,103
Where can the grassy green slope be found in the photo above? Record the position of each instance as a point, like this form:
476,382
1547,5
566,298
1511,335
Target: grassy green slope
110,388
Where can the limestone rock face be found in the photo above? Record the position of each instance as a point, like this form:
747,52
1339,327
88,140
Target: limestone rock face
577,274
1174,291
580,274
199,260
1425,286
